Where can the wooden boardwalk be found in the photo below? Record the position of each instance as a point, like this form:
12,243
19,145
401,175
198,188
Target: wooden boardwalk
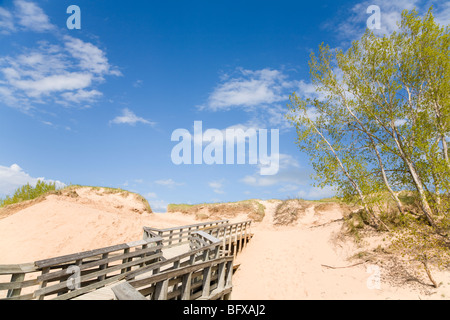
186,262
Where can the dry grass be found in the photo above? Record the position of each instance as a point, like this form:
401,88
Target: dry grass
252,208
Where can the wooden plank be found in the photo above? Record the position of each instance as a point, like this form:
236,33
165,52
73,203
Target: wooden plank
88,288
186,286
161,290
54,288
155,266
175,273
125,291
90,253
16,277
17,285
229,274
28,296
202,224
221,275
83,266
7,269
206,282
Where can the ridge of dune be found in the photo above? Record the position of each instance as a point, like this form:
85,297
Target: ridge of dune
62,224
292,261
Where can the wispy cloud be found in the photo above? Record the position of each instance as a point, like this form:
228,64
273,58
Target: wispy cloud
290,173
217,186
32,17
316,193
248,89
169,183
351,23
65,71
6,21
128,117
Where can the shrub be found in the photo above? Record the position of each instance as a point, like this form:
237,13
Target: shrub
28,192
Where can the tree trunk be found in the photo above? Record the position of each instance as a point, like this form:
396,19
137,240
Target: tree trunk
352,181
417,181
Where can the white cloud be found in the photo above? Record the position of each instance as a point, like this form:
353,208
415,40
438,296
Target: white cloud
217,186
158,205
355,22
169,183
6,21
138,83
151,195
442,16
14,177
89,57
81,96
32,17
64,71
316,193
248,90
290,173
128,117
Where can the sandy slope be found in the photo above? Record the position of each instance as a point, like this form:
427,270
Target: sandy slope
278,263
63,225
287,263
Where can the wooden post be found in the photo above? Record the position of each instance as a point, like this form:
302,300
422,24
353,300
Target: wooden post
16,277
224,241
229,278
230,240
125,251
221,276
170,237
186,286
44,283
161,290
206,282
103,267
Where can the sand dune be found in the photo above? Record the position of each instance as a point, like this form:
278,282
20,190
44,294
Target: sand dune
304,260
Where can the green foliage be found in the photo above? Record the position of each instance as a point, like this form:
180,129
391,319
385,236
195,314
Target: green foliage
28,192
379,124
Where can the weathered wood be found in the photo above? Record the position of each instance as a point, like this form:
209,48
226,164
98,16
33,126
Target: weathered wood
125,291
83,266
161,290
206,281
97,252
18,285
8,269
16,277
160,264
55,288
175,273
186,286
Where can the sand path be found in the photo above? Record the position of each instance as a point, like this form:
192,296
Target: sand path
286,263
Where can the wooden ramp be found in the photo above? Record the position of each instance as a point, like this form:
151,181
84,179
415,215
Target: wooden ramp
186,262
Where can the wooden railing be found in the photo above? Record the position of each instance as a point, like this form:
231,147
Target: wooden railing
234,236
210,280
179,235
202,272
209,250
72,275
202,276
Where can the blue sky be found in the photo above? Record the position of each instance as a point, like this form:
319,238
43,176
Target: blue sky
97,106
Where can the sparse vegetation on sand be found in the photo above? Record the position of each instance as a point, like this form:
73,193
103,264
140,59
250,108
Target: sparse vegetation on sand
24,194
28,192
380,126
252,208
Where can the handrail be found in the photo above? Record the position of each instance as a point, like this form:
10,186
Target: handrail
71,275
